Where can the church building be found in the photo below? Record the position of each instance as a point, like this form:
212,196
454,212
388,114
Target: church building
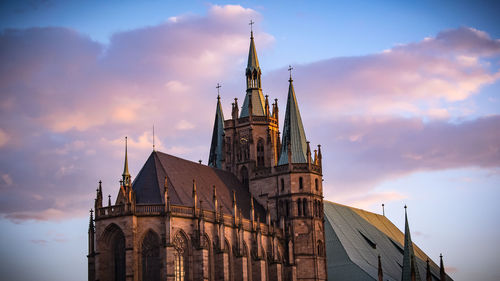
254,213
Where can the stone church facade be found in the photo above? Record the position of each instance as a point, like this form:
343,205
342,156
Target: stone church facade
254,213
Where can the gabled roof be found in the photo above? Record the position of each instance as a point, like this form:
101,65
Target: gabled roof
293,131
215,157
355,238
148,185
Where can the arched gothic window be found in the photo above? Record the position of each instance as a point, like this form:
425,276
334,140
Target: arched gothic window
260,153
320,249
316,184
299,207
181,256
304,207
150,254
315,208
119,256
287,208
301,183
282,185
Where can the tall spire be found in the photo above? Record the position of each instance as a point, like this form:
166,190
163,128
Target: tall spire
254,85
410,270
126,174
215,157
293,130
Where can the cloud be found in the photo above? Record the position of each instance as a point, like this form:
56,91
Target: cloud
67,103
425,78
364,151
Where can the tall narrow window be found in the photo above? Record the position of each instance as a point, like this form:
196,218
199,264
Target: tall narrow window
315,208
304,207
282,185
119,257
301,183
316,184
181,255
260,153
151,257
299,207
244,176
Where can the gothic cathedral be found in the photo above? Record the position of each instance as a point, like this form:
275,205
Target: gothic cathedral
254,213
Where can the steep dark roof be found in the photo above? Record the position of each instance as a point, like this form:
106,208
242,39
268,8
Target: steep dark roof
148,185
355,238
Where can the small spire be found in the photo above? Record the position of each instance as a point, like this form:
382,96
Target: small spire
383,209
109,200
126,174
410,271
442,274
428,276
380,271
91,220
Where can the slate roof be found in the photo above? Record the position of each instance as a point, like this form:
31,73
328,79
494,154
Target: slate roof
215,157
293,131
148,185
355,238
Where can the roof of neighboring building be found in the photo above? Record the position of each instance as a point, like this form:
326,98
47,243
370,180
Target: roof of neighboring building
149,185
355,238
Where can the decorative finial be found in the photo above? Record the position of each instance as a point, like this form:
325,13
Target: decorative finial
251,28
199,161
109,200
218,87
154,137
290,68
383,210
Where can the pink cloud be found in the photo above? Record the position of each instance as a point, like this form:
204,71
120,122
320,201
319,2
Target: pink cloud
67,102
424,78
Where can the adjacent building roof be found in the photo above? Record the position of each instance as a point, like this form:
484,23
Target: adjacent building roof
149,184
293,131
355,238
215,157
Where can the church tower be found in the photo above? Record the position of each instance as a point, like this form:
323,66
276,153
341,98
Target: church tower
283,175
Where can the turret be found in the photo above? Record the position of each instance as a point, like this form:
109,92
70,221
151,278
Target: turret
98,199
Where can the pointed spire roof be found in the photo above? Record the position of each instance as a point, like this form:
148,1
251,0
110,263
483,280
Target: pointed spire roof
125,166
215,157
253,61
258,101
409,265
293,131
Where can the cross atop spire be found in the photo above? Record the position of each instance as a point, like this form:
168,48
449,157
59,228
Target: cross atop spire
218,93
290,68
154,137
251,28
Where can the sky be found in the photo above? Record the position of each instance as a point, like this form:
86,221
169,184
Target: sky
403,97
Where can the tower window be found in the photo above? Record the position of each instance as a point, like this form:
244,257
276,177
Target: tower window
304,207
299,207
282,185
260,153
301,183
316,184
287,208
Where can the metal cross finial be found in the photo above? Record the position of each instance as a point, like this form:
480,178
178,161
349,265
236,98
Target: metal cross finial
153,137
218,87
251,25
290,68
